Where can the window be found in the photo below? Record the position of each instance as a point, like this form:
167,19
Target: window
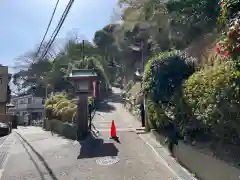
29,100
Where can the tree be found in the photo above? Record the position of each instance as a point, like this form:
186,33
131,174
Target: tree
190,19
180,22
41,76
165,73
33,79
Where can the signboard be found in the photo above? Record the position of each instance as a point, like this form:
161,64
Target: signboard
3,83
94,89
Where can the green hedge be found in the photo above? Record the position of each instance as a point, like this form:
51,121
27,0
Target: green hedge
165,73
155,115
207,100
62,128
213,94
163,78
62,108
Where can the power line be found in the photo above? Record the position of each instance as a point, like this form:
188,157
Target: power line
49,24
55,32
57,29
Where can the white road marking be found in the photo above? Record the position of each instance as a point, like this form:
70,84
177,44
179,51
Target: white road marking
163,160
1,173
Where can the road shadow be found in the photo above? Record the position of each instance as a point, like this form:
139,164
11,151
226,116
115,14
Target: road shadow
95,147
116,97
105,107
95,132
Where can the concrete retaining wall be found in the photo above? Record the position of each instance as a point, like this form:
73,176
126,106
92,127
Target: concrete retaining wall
205,167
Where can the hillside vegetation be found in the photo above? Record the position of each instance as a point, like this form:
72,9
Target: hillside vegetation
188,51
201,91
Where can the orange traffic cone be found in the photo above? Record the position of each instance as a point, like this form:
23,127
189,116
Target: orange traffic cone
113,132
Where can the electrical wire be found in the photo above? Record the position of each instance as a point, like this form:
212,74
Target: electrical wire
57,29
49,24
55,32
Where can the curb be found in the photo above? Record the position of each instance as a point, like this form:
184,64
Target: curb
158,138
154,135
174,166
6,151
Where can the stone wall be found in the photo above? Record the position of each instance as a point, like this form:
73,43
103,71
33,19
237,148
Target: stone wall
205,166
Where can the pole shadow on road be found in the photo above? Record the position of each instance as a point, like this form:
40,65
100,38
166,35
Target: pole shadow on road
95,147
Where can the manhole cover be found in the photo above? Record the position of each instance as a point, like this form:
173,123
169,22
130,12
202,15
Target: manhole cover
108,160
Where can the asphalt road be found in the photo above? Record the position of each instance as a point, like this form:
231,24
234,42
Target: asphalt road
2,138
38,155
42,156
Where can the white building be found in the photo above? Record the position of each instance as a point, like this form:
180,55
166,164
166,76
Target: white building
27,104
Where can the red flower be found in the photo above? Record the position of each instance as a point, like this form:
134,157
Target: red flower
226,53
222,4
217,49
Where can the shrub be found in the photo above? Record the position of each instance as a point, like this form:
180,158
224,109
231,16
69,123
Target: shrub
230,18
68,113
213,94
129,86
155,115
165,73
59,107
90,100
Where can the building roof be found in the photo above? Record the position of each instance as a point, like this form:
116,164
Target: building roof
10,105
83,73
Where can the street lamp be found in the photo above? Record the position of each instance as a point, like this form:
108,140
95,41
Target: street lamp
138,76
137,73
82,80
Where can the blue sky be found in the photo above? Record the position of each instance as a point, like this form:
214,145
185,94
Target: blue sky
23,23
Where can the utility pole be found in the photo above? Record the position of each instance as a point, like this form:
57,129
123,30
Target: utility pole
142,56
46,91
83,56
142,60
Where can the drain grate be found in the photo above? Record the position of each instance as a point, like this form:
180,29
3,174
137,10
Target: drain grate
108,160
